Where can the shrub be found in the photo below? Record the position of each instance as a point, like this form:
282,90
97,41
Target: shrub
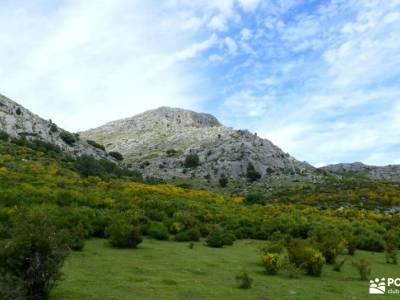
118,156
158,231
96,145
191,245
219,238
363,267
33,256
255,198
4,136
223,181
391,248
272,262
244,280
68,137
329,241
192,161
53,128
11,288
18,111
123,234
337,265
192,234
171,152
370,241
307,257
251,173
290,269
77,240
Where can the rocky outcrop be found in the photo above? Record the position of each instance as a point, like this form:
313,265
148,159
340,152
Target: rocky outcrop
159,140
390,172
18,121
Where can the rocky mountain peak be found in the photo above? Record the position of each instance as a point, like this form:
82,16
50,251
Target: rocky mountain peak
157,141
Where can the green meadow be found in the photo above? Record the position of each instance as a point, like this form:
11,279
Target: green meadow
171,270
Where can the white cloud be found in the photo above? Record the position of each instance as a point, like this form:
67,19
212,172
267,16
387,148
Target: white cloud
249,5
231,45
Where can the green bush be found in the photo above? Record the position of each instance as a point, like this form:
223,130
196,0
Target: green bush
255,198
191,234
4,136
251,173
77,239
223,181
304,255
118,156
219,238
370,241
244,281
192,161
363,267
158,231
68,137
34,254
96,145
329,240
123,234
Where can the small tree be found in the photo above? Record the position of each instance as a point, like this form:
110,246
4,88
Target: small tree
252,174
33,256
192,161
223,181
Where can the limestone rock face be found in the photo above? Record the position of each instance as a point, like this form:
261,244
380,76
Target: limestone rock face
18,121
158,141
390,172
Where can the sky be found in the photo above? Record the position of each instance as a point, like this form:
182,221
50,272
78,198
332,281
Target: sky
320,79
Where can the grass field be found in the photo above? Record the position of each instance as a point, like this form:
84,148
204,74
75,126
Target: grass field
170,270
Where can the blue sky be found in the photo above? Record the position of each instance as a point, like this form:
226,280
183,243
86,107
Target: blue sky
321,79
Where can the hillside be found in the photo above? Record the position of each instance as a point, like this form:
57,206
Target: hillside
390,172
158,141
17,121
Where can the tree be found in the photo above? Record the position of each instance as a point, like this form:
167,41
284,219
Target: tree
252,174
33,256
192,161
223,181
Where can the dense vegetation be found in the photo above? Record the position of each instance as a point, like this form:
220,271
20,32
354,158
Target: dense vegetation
84,198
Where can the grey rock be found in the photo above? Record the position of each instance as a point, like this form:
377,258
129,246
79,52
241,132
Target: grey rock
145,139
17,121
390,172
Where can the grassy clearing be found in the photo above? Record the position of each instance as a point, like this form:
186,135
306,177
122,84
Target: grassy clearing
170,270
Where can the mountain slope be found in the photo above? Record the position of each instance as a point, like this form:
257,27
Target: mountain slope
159,140
390,172
17,121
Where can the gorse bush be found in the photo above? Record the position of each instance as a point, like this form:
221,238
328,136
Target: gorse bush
272,262
304,255
77,237
329,241
122,234
32,257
